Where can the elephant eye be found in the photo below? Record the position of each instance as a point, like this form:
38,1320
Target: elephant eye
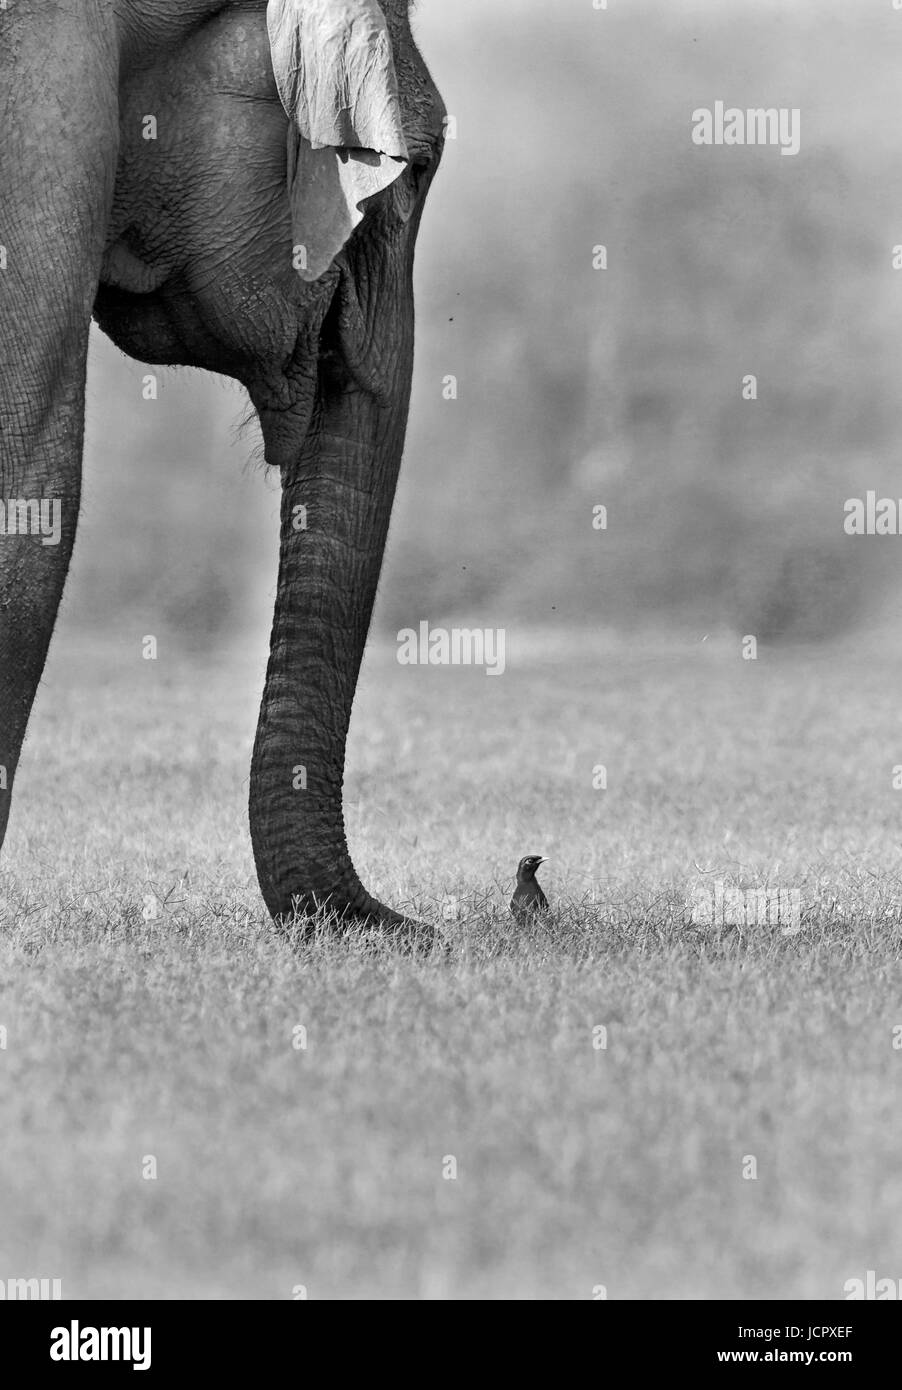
409,187
419,168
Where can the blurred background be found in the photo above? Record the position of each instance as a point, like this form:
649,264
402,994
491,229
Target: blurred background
579,386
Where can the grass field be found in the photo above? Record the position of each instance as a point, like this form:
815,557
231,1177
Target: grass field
622,1166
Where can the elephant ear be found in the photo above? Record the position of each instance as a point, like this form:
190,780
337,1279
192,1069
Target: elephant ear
335,74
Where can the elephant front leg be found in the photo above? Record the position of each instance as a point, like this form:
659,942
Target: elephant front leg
59,76
32,575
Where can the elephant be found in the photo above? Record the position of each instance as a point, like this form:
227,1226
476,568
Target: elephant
234,185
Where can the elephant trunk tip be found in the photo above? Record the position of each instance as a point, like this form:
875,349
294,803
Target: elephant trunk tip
308,921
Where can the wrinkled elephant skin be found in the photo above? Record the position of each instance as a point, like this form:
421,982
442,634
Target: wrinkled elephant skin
192,174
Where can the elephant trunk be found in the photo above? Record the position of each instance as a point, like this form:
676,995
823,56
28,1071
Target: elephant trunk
337,497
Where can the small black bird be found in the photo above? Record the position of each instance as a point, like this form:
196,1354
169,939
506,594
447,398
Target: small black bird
528,897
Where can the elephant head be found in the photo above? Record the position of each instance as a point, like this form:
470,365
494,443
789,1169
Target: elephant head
266,230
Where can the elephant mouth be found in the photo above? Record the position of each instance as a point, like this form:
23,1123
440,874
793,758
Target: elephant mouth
335,352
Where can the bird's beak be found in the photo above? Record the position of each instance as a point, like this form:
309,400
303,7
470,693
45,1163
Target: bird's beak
543,861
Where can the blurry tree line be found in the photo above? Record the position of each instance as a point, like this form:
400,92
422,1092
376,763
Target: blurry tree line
580,386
